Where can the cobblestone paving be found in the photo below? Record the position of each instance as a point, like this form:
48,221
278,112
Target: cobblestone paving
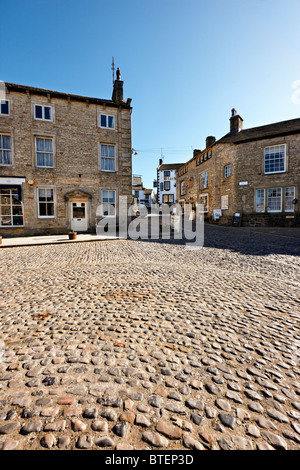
147,345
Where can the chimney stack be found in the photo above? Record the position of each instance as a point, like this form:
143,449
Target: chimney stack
117,95
236,122
210,140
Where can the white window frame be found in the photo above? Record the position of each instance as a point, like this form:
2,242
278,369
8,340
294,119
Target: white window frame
38,202
107,116
204,180
6,150
270,149
108,158
227,171
11,209
292,197
224,202
182,188
279,198
43,106
115,202
264,200
36,151
205,208
1,102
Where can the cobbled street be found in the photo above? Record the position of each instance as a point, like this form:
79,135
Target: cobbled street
149,345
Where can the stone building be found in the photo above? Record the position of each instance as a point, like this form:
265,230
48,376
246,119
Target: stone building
251,172
61,156
166,182
141,195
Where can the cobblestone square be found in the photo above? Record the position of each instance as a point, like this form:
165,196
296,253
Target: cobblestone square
148,345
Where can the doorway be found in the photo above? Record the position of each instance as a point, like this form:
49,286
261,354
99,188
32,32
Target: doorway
79,217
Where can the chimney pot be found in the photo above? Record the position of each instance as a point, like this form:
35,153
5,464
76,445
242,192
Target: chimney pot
236,122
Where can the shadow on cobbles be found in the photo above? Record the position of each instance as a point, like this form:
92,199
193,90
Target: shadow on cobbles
256,241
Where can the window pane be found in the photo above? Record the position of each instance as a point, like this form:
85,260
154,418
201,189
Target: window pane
104,196
111,151
49,194
289,195
5,157
79,212
40,144
48,159
111,122
104,151
111,165
103,120
260,200
6,144
5,107
43,209
50,209
42,194
48,145
112,197
274,200
38,112
47,113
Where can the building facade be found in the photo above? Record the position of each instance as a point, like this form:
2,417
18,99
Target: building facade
61,157
166,182
141,195
252,175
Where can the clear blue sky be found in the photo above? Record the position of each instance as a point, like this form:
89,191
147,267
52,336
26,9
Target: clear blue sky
185,63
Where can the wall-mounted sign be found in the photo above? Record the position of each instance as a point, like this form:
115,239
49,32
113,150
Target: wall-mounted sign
243,183
217,214
30,182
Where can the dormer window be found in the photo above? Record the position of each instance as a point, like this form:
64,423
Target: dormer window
43,113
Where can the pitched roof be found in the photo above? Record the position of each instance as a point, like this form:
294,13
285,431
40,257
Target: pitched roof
148,191
170,166
58,94
263,132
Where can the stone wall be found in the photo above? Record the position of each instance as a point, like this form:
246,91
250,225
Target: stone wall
247,174
76,138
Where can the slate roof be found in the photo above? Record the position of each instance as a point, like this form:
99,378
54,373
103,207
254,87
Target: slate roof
170,166
58,94
262,132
